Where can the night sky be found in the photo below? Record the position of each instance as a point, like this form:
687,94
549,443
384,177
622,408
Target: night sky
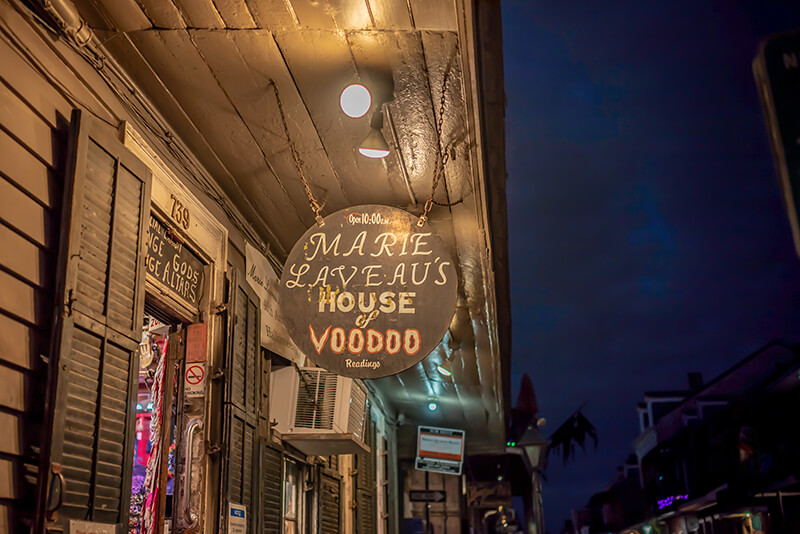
648,237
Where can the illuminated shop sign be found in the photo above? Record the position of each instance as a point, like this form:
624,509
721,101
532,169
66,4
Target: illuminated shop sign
368,294
669,501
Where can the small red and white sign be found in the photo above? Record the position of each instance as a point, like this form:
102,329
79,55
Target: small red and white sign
440,449
440,446
194,381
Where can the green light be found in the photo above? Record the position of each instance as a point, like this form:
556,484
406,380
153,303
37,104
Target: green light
443,371
508,443
513,443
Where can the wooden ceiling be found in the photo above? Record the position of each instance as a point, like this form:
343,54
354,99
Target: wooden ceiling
210,65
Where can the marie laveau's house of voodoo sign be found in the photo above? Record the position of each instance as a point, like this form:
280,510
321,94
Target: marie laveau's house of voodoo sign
369,293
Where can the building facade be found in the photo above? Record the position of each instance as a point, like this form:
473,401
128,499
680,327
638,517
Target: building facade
719,457
153,156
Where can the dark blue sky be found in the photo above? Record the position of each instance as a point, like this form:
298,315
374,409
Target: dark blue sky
648,236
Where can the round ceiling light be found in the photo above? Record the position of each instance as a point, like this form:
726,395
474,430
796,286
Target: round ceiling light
432,406
355,100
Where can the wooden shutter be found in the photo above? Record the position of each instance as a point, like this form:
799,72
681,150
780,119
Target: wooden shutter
240,468
366,488
271,489
92,381
329,503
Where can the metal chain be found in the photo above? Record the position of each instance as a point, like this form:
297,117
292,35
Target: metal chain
442,156
298,162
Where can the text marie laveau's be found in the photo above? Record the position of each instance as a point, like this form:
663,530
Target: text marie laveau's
368,304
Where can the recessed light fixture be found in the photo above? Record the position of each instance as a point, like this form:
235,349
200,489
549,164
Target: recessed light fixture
355,100
432,406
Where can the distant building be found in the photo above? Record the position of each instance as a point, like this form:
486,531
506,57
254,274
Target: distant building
716,458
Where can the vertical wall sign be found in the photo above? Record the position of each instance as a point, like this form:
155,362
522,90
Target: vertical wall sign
262,278
370,293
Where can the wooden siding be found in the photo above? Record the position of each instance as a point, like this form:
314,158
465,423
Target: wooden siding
33,135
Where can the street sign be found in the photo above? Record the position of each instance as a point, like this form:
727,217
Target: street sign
438,466
427,496
777,72
194,383
440,450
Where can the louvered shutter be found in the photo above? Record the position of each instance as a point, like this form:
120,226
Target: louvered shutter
271,476
92,377
365,483
240,467
329,503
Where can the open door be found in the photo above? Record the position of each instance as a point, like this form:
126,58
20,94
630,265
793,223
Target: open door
86,456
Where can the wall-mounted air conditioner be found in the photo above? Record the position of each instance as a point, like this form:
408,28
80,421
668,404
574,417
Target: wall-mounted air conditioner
317,411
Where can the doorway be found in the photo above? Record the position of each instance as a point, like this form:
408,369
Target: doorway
156,442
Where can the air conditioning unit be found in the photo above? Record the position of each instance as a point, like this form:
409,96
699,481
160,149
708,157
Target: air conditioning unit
317,411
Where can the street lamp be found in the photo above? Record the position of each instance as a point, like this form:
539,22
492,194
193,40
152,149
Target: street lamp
534,444
535,447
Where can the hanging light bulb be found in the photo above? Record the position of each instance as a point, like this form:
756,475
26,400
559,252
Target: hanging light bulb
355,100
375,145
445,368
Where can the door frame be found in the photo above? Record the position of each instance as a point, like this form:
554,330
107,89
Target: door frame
207,237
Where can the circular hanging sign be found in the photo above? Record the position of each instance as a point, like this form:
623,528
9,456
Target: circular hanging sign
370,293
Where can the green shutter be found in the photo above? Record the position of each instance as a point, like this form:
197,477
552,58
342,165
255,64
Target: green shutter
242,378
100,299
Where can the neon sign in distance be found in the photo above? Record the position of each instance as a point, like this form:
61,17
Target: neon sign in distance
370,293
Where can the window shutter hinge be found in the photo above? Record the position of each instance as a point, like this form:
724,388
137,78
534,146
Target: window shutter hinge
68,306
217,374
222,308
